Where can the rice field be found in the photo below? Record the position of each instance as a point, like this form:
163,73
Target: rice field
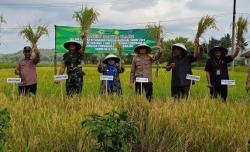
52,122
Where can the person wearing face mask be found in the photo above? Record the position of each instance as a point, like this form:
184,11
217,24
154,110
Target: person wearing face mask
217,69
180,64
142,68
111,67
72,62
26,69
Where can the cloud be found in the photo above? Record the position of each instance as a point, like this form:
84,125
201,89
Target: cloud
129,5
179,17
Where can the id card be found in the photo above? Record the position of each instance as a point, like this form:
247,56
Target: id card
218,72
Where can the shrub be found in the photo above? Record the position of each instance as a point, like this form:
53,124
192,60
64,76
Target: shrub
112,132
4,127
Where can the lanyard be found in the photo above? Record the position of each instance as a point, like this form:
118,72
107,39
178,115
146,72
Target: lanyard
218,64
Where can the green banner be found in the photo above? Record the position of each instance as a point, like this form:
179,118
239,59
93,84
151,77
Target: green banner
102,40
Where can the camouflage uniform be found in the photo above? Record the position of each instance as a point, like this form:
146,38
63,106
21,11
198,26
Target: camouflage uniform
74,83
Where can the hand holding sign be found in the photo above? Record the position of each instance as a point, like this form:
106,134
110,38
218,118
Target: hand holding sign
172,65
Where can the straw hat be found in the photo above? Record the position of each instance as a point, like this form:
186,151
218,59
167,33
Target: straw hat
111,56
68,43
181,46
220,48
144,45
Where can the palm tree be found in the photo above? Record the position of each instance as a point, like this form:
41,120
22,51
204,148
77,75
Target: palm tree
156,31
33,34
241,29
85,17
205,23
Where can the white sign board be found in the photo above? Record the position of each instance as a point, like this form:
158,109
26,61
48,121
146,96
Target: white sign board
106,77
193,77
141,80
13,80
228,82
60,77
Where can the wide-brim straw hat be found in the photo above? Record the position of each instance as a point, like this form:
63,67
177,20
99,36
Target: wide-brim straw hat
220,48
111,56
180,46
68,43
140,46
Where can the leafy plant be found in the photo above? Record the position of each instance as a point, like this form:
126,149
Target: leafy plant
28,32
112,132
85,17
241,29
205,23
4,127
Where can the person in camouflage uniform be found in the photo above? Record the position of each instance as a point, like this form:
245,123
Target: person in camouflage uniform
72,62
112,68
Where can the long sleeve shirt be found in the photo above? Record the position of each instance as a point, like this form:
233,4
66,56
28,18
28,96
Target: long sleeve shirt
27,70
142,66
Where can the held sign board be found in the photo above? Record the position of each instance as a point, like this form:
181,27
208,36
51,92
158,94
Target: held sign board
193,77
106,78
13,80
60,77
228,82
141,80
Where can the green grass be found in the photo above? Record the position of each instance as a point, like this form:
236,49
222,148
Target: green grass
51,122
47,87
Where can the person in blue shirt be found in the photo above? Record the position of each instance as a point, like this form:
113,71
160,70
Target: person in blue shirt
111,67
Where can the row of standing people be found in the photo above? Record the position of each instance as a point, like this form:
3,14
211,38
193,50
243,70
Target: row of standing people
216,70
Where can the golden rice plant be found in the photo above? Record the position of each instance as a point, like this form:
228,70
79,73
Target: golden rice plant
241,29
33,34
85,17
205,23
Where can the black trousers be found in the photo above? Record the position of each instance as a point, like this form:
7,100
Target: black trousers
219,90
180,92
146,88
27,90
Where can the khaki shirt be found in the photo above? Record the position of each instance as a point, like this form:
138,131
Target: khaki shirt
142,66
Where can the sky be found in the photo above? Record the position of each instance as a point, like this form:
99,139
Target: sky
178,17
